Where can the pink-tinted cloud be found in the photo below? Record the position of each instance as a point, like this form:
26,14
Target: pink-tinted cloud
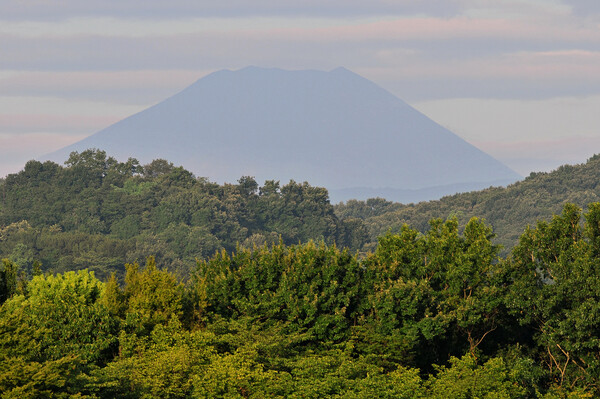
97,80
140,86
54,123
31,143
53,9
572,65
374,46
429,28
17,149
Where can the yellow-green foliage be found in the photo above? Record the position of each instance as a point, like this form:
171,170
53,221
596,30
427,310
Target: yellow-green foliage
464,378
153,296
435,315
58,316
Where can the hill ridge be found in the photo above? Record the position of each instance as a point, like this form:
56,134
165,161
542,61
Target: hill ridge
509,209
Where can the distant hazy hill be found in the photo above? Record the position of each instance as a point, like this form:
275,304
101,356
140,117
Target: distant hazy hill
509,210
334,129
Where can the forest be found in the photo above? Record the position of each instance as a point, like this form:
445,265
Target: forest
121,280
98,213
508,209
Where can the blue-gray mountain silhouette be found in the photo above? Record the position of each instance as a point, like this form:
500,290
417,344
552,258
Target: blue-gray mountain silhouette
333,129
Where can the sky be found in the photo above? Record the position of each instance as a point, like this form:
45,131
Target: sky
520,79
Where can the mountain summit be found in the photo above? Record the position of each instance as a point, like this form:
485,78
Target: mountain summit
334,129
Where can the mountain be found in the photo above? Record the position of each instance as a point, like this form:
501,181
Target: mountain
334,129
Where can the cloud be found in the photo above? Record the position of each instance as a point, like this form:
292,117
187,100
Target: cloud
17,149
73,66
574,65
481,120
46,114
515,8
57,106
495,54
532,135
53,9
135,27
529,156
139,87
53,123
584,7
411,27
25,142
446,29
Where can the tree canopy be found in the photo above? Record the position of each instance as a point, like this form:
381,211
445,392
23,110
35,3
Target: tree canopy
99,213
121,280
435,315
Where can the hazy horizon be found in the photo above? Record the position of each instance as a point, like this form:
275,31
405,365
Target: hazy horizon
518,79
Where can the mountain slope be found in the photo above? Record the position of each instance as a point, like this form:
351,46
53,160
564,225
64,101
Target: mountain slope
509,210
334,129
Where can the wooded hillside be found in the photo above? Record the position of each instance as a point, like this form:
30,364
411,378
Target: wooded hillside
98,213
509,210
119,280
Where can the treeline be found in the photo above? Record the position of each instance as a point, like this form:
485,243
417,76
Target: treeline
436,315
509,210
99,213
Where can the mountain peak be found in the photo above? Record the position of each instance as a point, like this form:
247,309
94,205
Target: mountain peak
341,70
304,125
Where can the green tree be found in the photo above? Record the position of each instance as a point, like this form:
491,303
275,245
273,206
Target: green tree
59,316
162,365
436,294
8,280
464,378
153,296
314,288
61,378
555,293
